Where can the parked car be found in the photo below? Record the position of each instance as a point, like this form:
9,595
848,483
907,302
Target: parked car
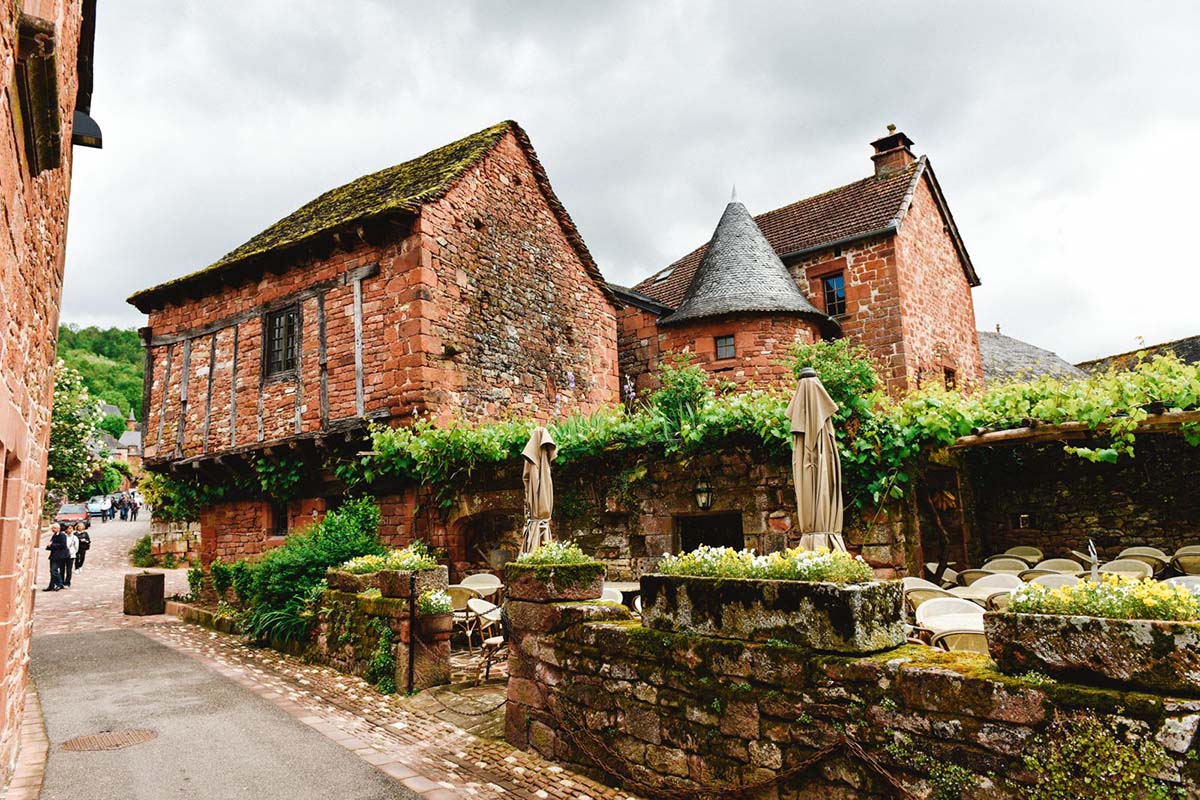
93,505
71,513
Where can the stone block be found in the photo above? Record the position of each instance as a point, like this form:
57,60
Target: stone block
856,618
546,583
398,583
144,593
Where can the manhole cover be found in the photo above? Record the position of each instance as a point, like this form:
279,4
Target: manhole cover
110,740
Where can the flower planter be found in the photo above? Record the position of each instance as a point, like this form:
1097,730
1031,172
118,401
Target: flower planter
433,626
350,582
855,618
549,583
396,583
1142,654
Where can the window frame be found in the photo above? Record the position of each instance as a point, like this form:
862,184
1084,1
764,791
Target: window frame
836,307
287,366
718,342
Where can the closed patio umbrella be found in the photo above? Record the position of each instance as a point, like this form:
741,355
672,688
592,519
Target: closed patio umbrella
816,468
539,489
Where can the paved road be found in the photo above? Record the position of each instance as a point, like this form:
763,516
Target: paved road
216,739
94,600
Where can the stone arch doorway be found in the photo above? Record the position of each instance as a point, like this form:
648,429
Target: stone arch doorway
487,540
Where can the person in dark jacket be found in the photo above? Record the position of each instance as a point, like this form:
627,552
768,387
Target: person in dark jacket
60,554
85,544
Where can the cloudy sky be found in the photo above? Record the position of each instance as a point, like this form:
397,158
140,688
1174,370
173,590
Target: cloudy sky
1065,135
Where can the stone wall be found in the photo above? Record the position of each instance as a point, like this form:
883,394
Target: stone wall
180,539
33,208
664,713
1147,500
761,342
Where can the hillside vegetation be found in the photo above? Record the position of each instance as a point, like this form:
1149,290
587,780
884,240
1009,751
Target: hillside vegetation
109,360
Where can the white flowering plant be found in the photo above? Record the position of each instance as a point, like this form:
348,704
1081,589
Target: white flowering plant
832,566
414,557
556,553
434,602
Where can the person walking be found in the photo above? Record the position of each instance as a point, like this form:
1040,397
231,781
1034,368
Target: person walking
124,509
72,552
133,509
105,507
85,544
58,555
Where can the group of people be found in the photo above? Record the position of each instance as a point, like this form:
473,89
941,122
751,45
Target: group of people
68,548
124,505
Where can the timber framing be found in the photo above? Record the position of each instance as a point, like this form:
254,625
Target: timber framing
1167,422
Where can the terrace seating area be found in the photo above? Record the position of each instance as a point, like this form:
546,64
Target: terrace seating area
947,612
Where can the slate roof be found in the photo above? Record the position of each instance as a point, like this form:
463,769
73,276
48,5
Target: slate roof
1006,358
402,188
1187,349
740,272
109,410
871,206
131,439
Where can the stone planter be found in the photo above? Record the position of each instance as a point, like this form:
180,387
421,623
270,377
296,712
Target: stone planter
395,583
433,626
350,582
549,583
1141,654
857,618
144,593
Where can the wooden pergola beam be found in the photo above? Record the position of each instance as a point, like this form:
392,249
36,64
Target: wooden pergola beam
1155,423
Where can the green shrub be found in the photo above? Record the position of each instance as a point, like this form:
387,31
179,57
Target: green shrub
221,575
556,553
300,563
798,564
434,602
381,670
169,561
195,577
242,578
1114,597
140,554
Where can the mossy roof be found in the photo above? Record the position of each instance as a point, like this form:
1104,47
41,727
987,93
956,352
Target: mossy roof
401,188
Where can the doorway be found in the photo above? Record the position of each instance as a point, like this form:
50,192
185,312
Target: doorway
714,530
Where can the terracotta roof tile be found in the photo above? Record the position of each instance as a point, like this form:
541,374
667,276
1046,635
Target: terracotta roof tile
853,210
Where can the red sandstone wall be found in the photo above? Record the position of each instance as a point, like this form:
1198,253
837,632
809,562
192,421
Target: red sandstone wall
761,342
937,313
507,291
34,211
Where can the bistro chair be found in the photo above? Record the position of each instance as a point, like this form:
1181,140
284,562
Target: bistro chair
1144,551
487,615
998,601
949,576
1188,550
918,583
941,606
1156,564
915,597
1005,564
969,576
1063,565
1190,581
1128,567
489,652
464,618
611,595
1187,563
1056,580
961,641
1001,580
1029,574
1026,553
485,583
637,604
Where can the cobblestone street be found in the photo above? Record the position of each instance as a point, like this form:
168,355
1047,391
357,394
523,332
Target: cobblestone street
440,744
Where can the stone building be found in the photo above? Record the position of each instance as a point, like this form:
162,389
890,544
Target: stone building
452,286
881,256
46,85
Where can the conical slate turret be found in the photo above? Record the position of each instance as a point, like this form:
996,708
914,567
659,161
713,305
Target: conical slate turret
741,273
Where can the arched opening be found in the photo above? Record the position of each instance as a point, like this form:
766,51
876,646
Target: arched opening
488,539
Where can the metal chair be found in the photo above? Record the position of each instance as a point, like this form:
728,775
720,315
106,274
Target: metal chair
915,597
1026,553
637,604
998,601
1056,580
961,641
464,618
949,576
1188,550
487,615
611,596
489,652
1128,566
1001,580
940,606
1187,563
1190,581
485,583
1156,564
1144,551
918,583
1029,574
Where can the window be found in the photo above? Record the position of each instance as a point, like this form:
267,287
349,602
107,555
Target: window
834,287
725,348
949,377
281,340
278,519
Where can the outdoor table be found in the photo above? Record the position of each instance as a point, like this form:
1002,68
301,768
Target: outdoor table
628,589
975,594
954,622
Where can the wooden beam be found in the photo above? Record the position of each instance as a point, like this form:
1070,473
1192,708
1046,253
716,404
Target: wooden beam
212,367
184,380
1155,423
322,359
233,391
166,393
299,365
358,348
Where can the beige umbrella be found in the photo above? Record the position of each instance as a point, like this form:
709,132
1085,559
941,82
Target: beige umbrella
816,469
539,489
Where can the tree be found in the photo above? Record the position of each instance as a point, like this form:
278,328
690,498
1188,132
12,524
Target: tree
73,425
113,425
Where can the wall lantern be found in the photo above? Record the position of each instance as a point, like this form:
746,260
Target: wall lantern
704,494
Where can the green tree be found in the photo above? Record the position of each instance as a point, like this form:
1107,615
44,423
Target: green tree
110,361
113,425
73,425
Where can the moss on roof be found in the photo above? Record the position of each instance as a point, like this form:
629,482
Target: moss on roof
403,187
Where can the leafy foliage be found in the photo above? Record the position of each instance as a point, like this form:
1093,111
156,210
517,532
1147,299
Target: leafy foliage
554,553
291,622
792,565
105,479
381,670
1083,755
1113,597
178,499
195,577
221,575
434,601
110,362
140,554
73,425
414,557
113,425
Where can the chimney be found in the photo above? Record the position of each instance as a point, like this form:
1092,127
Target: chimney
891,152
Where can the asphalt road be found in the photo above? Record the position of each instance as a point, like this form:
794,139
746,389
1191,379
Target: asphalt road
216,740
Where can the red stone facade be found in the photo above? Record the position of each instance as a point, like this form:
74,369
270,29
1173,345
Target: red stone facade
34,210
761,346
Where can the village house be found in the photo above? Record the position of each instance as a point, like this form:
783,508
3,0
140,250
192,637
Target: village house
46,91
879,260
452,286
